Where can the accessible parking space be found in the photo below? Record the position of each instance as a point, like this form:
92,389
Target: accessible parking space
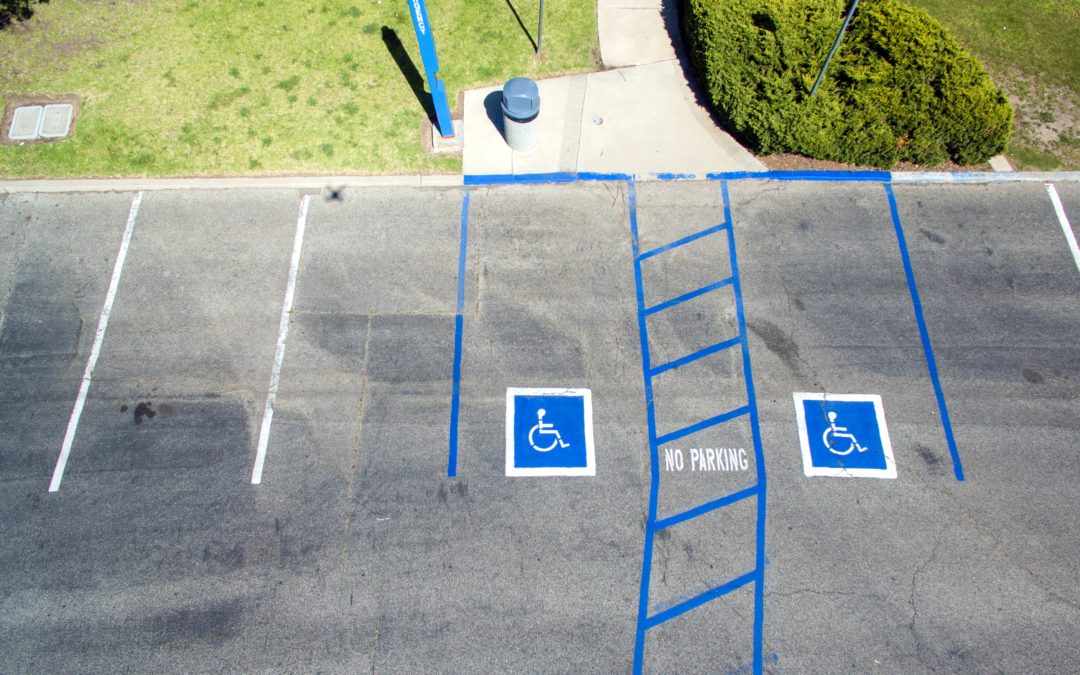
923,571
829,312
525,573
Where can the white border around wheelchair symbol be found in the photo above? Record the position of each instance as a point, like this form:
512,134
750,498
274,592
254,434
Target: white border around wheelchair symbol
886,445
590,454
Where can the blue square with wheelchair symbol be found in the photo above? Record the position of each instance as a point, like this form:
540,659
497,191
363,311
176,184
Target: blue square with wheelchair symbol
549,432
844,435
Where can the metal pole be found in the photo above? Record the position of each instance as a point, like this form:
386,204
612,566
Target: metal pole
843,29
540,29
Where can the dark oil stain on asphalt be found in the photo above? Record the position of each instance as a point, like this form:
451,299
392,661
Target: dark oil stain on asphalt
779,343
142,411
150,434
933,461
1033,377
146,410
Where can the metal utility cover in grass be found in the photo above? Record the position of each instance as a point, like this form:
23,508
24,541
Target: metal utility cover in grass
25,123
50,121
56,121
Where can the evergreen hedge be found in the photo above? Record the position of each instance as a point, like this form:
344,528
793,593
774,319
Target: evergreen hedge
900,88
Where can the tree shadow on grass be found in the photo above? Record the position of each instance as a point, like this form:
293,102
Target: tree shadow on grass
16,10
408,69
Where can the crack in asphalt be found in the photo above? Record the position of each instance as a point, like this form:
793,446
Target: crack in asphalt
914,606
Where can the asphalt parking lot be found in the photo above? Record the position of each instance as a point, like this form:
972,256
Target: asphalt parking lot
267,429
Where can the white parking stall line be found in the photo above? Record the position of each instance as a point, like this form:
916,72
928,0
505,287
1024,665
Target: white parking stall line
95,351
283,332
1065,226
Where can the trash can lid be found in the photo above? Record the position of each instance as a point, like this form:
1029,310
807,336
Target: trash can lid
520,98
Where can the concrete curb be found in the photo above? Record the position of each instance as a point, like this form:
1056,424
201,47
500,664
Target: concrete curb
986,177
337,182
277,182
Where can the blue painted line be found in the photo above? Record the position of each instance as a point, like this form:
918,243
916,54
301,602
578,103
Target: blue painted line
689,296
461,252
711,584
700,354
654,468
459,329
697,601
541,178
816,176
928,349
682,242
704,508
759,455
704,424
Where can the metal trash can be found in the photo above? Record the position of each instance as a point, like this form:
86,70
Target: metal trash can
521,107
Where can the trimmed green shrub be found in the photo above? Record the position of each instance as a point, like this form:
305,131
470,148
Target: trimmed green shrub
16,10
900,88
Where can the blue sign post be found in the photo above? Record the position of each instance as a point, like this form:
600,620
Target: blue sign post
418,10
549,432
844,435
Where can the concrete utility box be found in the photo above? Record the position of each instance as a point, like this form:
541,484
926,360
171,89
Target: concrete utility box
521,108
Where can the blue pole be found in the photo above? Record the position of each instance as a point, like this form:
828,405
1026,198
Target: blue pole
422,26
843,29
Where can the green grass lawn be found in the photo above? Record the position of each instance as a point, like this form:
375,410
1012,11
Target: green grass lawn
240,87
1031,49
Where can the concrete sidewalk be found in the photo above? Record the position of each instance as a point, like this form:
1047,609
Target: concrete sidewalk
643,117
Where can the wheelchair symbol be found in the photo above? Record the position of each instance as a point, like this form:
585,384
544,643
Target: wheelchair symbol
838,432
543,428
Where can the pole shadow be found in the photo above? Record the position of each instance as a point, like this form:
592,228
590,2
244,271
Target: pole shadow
522,24
408,69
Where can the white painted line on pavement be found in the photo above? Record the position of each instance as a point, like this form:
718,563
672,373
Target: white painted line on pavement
1065,226
95,351
283,332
